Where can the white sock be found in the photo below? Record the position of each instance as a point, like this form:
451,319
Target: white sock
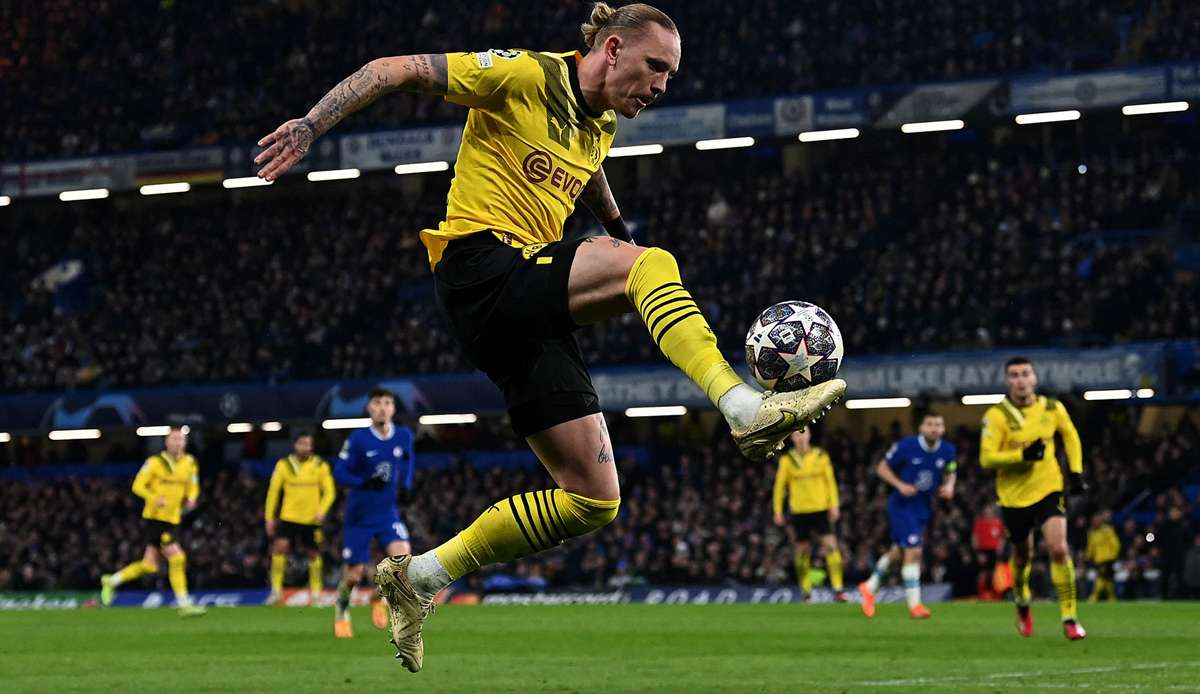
739,405
114,579
881,569
911,573
427,574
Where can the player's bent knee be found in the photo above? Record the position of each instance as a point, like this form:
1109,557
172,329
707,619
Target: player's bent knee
581,514
655,261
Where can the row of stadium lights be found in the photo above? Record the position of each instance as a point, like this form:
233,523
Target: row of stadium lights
632,151
633,412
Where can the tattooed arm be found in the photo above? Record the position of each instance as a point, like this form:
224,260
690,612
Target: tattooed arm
290,141
598,198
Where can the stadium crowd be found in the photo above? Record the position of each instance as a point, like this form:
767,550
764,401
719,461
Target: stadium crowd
695,513
188,91
931,246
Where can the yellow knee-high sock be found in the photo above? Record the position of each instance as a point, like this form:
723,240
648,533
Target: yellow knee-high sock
278,566
1020,577
803,563
834,561
678,328
1063,577
316,575
134,571
522,525
177,575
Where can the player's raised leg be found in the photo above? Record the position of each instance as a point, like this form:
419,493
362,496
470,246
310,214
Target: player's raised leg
395,545
869,587
145,566
1062,575
611,277
578,455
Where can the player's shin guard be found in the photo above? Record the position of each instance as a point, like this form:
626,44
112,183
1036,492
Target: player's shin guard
1020,577
522,525
316,574
1063,576
278,566
834,561
911,575
803,571
133,572
676,325
177,576
881,570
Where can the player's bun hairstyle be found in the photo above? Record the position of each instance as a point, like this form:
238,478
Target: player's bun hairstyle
380,393
1017,361
636,17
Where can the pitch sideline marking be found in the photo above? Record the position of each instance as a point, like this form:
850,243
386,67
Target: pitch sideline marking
1018,675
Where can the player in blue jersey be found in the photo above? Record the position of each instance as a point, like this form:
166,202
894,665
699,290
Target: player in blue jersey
915,467
371,465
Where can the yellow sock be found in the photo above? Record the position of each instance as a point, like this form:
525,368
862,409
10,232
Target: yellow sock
134,571
316,575
278,566
1020,577
803,573
834,561
522,525
1063,577
177,575
678,328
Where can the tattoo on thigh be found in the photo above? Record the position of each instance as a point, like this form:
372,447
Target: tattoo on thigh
616,243
605,455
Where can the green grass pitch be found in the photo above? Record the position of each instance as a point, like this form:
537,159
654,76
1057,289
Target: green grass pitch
590,649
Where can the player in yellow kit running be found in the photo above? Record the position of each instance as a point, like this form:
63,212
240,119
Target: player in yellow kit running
513,291
805,477
1103,548
1017,442
306,484
169,482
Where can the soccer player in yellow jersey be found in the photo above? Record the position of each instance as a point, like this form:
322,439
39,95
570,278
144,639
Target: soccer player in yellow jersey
1017,442
169,482
306,484
514,292
1103,548
805,478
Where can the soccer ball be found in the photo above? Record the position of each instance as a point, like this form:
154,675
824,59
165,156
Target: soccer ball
793,345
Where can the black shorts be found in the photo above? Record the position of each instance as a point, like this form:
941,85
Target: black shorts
507,307
1105,569
1019,522
160,533
300,535
808,525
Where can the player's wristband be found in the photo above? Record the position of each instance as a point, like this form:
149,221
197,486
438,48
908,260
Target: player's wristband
616,228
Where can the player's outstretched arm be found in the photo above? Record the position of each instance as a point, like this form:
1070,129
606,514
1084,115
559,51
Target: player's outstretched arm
598,198
290,141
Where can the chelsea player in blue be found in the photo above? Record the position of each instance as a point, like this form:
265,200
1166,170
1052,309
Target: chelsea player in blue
915,467
371,465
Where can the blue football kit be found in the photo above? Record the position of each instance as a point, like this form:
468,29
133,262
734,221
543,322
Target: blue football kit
922,465
373,466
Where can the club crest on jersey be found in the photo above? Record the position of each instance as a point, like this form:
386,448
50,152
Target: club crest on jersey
527,252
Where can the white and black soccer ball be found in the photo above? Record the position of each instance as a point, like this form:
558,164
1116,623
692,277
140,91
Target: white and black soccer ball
793,345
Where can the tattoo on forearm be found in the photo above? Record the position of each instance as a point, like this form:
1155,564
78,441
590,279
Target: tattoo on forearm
356,91
598,197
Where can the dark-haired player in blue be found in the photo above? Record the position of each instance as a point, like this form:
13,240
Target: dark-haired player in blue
371,465
915,466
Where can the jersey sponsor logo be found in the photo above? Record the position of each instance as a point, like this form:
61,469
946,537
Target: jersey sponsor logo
372,454
484,59
539,167
506,53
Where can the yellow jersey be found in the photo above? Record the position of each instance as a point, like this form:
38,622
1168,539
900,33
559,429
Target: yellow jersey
806,479
307,488
1103,545
1008,429
529,146
172,480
